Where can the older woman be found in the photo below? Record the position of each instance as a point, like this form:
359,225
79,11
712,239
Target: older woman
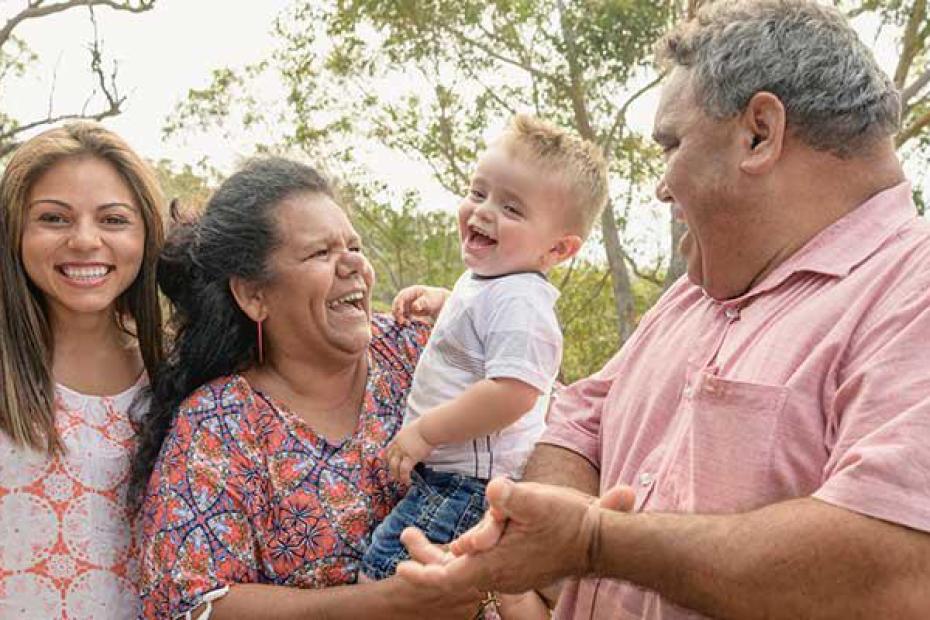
278,397
80,328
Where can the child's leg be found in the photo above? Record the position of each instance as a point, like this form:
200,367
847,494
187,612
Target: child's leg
386,551
442,505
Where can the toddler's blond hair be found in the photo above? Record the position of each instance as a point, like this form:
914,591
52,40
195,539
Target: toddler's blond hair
579,162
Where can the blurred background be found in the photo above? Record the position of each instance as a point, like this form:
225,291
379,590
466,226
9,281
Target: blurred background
394,98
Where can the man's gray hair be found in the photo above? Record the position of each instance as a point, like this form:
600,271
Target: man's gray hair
835,95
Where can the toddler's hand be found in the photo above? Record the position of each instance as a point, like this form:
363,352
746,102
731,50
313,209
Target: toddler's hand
406,450
419,301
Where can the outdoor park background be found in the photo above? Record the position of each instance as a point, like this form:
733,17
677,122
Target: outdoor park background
394,98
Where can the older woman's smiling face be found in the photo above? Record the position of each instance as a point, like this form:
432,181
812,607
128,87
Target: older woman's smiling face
318,301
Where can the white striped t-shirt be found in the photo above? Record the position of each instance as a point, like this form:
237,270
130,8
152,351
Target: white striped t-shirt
490,328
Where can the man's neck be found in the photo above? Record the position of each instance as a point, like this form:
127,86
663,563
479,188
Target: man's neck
816,191
828,188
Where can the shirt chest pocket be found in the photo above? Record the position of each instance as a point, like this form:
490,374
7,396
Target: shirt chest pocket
721,460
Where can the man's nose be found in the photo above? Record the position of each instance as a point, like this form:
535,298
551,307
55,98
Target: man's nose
662,191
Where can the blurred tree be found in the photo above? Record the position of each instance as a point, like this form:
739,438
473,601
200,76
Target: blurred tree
910,22
430,78
189,186
16,57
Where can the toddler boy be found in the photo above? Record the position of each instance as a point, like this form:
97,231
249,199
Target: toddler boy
496,346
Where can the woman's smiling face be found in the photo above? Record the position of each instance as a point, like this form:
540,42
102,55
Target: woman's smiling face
84,236
319,296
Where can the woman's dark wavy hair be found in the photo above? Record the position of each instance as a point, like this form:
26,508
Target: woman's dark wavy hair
213,336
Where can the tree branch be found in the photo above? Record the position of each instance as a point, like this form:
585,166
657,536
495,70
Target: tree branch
537,73
642,275
912,43
576,82
620,118
39,9
913,129
911,91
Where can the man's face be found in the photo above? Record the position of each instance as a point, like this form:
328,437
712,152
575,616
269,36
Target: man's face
701,183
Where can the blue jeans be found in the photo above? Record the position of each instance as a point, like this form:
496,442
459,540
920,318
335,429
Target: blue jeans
441,504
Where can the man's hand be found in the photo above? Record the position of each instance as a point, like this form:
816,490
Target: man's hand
419,302
488,531
533,535
406,450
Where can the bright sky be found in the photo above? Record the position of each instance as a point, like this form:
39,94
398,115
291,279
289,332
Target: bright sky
162,54
174,47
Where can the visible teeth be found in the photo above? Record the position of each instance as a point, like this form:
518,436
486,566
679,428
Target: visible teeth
347,299
476,231
85,273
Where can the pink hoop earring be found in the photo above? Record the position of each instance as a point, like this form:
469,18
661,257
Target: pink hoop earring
261,350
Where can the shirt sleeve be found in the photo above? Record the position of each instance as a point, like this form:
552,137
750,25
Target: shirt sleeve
401,343
879,461
574,420
197,537
523,341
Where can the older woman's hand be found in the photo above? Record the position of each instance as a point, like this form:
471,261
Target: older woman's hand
536,535
412,600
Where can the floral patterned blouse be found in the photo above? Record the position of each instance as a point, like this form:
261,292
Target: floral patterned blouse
245,492
68,548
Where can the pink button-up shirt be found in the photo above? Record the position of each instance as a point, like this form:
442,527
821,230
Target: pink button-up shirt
814,383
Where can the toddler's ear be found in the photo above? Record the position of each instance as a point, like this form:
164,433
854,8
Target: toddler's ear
565,248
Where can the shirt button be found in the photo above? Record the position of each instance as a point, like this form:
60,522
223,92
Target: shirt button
731,312
645,479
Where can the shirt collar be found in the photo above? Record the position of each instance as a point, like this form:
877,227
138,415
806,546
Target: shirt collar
841,246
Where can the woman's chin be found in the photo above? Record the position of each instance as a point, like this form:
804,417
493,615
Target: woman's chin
356,339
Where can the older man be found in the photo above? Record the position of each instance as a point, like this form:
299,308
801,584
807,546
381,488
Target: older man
772,411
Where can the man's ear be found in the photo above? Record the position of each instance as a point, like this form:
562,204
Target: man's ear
250,297
764,122
564,248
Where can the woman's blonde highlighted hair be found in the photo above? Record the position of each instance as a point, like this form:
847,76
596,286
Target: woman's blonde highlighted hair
27,401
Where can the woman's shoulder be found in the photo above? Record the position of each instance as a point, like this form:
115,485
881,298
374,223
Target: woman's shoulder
223,393
393,341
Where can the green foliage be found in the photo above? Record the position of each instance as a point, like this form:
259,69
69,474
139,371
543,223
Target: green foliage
431,78
588,316
405,245
920,200
15,57
189,186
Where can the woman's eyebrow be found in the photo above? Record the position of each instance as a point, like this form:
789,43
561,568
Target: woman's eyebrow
62,203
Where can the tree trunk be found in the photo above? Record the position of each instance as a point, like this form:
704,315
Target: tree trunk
619,276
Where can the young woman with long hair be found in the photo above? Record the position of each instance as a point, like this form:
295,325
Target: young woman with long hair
80,333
